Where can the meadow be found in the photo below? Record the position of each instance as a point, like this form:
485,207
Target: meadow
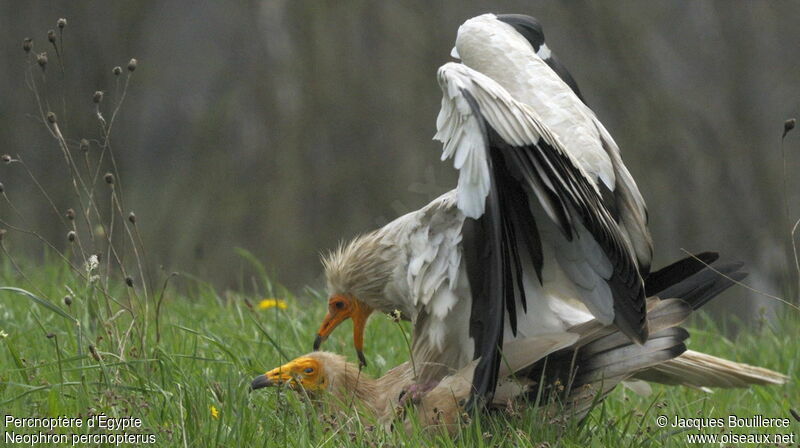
89,327
189,381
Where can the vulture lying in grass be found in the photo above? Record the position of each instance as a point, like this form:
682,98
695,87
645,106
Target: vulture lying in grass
546,229
590,358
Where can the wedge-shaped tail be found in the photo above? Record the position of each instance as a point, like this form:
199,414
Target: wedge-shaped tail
696,369
603,356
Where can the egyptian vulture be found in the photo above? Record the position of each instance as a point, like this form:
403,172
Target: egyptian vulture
590,358
545,230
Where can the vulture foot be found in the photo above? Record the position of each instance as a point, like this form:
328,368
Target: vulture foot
413,393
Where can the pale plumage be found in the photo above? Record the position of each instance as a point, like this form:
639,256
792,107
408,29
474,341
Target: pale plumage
582,366
531,154
545,230
319,373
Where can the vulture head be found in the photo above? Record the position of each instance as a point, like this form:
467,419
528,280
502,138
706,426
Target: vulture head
357,274
314,373
328,379
305,372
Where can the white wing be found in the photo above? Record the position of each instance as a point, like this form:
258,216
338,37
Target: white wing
431,278
509,165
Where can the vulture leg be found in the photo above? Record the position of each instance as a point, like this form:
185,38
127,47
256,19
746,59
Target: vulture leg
413,393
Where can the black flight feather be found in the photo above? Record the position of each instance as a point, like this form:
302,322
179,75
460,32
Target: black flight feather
701,287
492,260
612,357
575,193
483,256
680,270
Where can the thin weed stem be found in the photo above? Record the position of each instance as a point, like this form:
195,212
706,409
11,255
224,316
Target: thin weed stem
107,130
58,358
116,202
761,293
19,270
40,188
396,320
158,304
786,213
796,261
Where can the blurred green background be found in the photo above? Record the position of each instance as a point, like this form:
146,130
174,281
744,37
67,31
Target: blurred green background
284,127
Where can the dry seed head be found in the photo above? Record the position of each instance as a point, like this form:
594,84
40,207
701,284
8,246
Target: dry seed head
6,158
27,44
51,117
94,353
84,145
132,65
62,22
129,282
68,300
71,236
51,36
41,59
117,70
2,234
109,178
131,216
98,97
788,125
70,214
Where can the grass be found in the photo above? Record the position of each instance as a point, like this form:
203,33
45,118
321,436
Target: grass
212,345
114,337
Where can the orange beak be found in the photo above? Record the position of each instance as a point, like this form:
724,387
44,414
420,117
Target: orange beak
340,308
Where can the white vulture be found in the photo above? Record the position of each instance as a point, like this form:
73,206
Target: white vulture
545,230
588,360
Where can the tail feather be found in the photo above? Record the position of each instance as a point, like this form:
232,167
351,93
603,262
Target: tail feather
677,272
703,286
667,313
661,314
603,356
613,356
600,368
696,369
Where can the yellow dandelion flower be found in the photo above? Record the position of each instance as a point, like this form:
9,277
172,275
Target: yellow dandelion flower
272,303
214,411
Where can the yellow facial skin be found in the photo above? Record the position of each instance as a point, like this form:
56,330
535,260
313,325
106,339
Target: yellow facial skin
302,372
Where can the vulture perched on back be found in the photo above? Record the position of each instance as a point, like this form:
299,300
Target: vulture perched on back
545,230
590,359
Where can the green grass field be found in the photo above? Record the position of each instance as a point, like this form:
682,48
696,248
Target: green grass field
190,387
178,357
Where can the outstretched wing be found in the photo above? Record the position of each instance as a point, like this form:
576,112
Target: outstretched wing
510,163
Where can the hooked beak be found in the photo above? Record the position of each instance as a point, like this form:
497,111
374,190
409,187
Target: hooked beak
261,381
454,53
357,311
331,321
360,316
318,341
275,377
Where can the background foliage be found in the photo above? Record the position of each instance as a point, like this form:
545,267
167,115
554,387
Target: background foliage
284,126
